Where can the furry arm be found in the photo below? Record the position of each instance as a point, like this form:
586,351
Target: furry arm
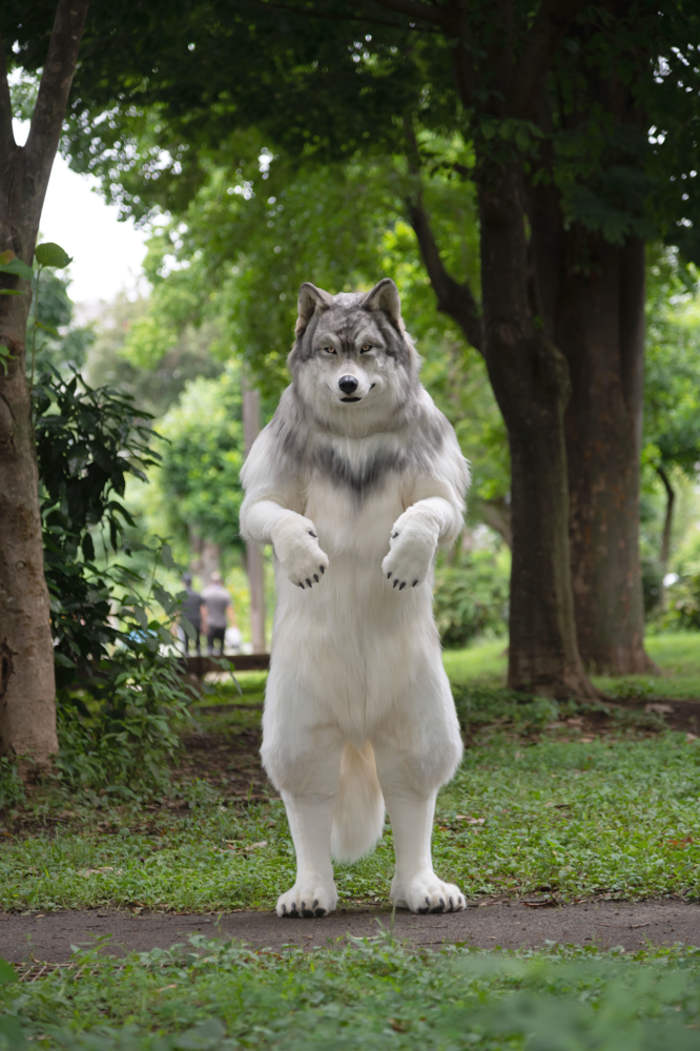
267,516
434,515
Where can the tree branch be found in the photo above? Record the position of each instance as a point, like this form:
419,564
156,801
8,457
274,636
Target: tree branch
54,89
453,298
421,12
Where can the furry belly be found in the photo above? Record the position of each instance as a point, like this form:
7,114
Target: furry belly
352,644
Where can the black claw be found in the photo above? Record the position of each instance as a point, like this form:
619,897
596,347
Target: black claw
424,912
452,905
322,570
284,910
388,576
300,585
308,582
316,577
415,582
403,585
394,535
311,533
319,912
396,583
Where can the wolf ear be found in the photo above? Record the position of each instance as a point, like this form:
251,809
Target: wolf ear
310,299
385,296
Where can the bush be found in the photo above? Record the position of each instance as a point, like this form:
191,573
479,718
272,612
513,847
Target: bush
120,696
682,612
471,599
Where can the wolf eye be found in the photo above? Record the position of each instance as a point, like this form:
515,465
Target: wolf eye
365,348
328,348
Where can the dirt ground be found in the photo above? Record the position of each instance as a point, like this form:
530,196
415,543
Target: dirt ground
230,762
606,924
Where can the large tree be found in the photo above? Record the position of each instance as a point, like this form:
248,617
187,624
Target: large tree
27,692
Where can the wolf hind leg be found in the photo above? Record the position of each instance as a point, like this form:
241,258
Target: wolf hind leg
314,892
303,762
415,885
412,763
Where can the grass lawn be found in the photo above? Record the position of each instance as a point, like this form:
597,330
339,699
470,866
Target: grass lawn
541,806
676,654
367,994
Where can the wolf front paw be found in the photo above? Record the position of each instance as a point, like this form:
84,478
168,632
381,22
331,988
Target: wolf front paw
411,552
426,893
296,545
307,899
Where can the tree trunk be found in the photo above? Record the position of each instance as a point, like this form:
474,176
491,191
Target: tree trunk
600,327
666,533
254,556
27,687
530,381
206,556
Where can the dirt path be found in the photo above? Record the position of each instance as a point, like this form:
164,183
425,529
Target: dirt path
49,936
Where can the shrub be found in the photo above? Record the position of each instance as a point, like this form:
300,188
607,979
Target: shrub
471,599
120,695
682,612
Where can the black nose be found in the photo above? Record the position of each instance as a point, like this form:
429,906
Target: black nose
348,384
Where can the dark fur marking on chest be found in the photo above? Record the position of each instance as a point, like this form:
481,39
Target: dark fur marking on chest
360,478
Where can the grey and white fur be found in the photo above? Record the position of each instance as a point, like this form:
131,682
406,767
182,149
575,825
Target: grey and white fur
355,482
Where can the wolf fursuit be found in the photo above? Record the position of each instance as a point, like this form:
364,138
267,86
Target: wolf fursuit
355,482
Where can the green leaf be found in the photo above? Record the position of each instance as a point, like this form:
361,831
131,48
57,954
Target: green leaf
11,264
7,973
51,254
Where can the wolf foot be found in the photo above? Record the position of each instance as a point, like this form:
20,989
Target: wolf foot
426,893
308,899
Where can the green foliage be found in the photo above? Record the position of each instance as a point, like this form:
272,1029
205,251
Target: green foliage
682,609
121,728
197,484
88,441
121,734
672,368
11,785
220,996
471,599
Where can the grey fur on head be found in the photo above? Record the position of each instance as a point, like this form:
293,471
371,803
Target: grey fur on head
345,312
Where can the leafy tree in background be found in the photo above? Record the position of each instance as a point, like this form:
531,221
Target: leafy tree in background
197,485
672,383
549,121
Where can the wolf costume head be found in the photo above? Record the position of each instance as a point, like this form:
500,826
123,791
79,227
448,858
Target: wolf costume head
356,409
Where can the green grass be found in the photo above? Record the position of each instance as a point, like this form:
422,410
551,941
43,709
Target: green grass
676,654
615,816
370,994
